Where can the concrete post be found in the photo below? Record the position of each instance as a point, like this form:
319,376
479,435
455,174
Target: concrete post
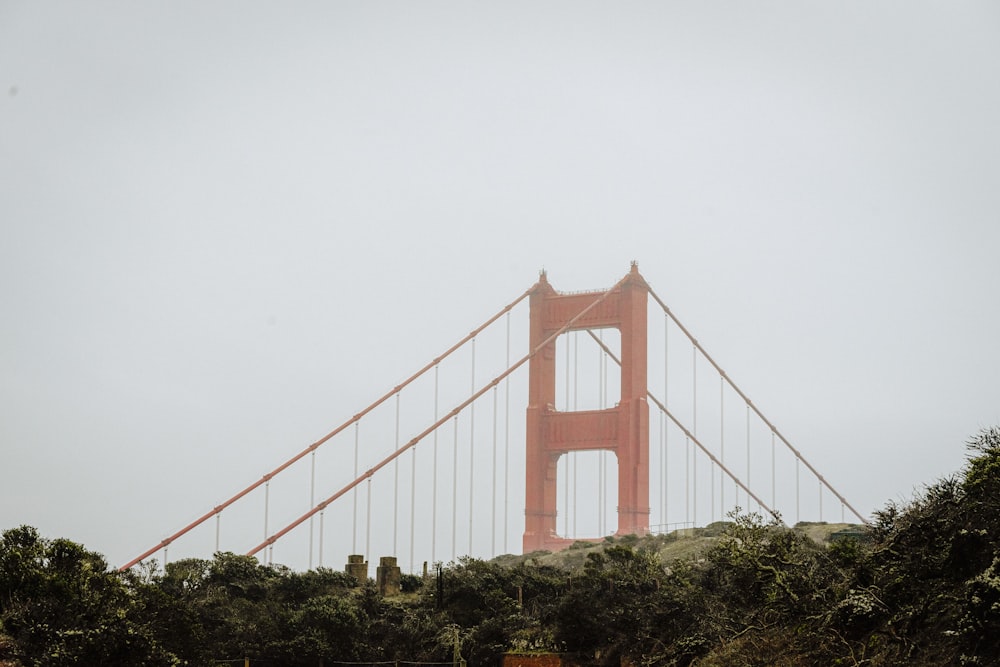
388,576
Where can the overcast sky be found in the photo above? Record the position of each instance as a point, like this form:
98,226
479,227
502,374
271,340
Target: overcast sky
229,226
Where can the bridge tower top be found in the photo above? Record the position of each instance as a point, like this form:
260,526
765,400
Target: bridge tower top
622,429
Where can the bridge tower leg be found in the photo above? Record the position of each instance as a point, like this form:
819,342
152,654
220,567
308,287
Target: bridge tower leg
623,429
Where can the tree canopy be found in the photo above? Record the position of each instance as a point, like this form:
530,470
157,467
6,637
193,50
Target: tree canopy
922,589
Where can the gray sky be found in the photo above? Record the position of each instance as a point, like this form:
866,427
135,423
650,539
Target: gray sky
227,227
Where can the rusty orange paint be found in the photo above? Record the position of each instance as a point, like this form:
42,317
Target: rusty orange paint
622,429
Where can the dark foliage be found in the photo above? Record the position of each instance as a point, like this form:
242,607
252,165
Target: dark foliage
925,590
59,605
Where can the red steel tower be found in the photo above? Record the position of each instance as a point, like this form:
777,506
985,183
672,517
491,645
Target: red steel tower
623,429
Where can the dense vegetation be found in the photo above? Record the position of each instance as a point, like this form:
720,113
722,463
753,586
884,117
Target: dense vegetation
925,590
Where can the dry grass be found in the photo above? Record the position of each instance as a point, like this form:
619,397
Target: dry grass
688,543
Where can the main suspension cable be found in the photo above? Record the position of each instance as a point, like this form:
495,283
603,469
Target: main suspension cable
694,438
454,413
311,448
753,407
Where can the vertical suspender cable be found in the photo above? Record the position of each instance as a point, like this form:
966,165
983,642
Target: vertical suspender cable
368,521
604,453
354,535
413,505
575,487
600,494
330,435
506,440
284,466
712,490
434,475
820,500
694,430
566,402
687,433
312,501
694,390
600,468
565,457
600,370
687,482
321,538
722,443
395,487
576,369
472,445
576,396
464,404
759,413
454,495
666,427
796,489
600,464
493,476
773,483
564,477
748,456
662,519
694,486
267,502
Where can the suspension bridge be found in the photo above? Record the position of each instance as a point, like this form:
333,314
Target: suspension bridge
564,416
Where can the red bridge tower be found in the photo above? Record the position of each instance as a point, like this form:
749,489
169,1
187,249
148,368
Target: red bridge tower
623,429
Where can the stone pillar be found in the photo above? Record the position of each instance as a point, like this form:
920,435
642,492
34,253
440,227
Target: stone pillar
387,576
357,567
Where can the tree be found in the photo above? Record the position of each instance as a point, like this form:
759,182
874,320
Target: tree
60,605
625,604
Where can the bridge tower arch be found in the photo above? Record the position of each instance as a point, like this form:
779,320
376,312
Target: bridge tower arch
622,429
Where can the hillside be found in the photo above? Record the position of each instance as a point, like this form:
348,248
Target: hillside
680,544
